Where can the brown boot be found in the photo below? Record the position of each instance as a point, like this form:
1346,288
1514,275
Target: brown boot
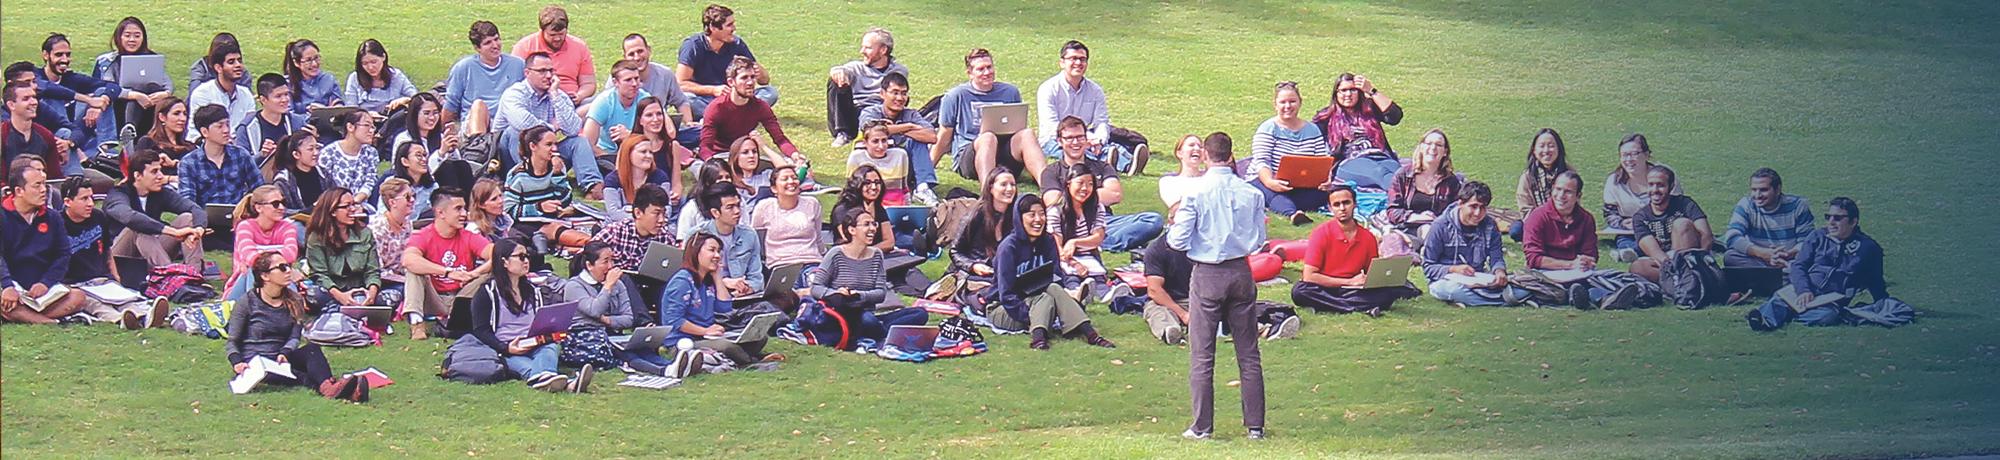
420,331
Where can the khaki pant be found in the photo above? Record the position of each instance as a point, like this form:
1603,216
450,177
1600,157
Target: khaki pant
1159,319
420,297
158,250
1043,309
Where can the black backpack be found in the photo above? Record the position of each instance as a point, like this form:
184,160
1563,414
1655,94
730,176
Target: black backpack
1692,280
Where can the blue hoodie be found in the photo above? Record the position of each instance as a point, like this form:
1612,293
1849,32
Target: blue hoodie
1019,253
1449,244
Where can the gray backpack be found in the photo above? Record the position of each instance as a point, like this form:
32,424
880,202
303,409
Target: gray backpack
338,330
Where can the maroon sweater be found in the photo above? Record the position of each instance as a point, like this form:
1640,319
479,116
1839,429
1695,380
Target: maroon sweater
1544,237
724,122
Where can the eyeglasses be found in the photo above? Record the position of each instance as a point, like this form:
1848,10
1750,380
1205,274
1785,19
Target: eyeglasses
1072,138
871,182
543,70
1838,217
309,60
342,206
1077,58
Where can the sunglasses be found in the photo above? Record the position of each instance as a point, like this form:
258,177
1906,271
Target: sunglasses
279,268
1838,217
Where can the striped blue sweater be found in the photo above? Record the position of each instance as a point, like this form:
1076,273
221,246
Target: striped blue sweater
1273,141
1785,227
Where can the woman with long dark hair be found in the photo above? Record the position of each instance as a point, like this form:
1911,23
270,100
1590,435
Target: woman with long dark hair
864,191
689,306
312,87
170,120
972,252
375,85
270,323
426,126
1075,222
1547,160
654,125
853,280
127,39
346,270
1353,118
294,169
502,312
412,164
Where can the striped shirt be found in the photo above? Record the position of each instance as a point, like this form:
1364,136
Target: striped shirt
864,276
1273,140
1784,228
526,191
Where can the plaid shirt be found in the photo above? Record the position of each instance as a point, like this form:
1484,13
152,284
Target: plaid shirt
204,182
628,249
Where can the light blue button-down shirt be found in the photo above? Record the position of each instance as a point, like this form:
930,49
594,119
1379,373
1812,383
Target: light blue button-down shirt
1222,219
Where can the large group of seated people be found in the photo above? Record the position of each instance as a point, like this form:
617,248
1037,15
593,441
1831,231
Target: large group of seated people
503,164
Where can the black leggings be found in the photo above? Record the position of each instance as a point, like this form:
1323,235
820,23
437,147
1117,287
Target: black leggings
309,364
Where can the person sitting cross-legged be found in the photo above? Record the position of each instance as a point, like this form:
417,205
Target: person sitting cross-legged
502,316
1766,230
34,251
1336,264
852,282
1465,244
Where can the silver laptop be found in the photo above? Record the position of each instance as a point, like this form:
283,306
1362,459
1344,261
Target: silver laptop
758,329
1387,272
660,262
143,72
1003,119
781,279
645,338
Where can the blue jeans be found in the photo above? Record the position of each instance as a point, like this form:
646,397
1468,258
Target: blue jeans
921,167
688,137
574,153
1776,312
1454,292
542,360
1299,199
1125,232
769,94
1626,242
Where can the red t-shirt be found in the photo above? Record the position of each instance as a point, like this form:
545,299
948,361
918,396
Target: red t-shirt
1334,255
457,253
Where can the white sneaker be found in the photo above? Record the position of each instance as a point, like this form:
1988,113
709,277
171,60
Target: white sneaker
1288,328
1194,435
924,195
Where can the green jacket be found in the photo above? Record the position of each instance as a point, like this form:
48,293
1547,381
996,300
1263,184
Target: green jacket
351,265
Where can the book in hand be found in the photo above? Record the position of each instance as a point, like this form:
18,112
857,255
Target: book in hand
38,304
1791,296
375,378
258,369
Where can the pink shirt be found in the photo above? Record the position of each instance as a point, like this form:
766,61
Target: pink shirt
250,241
572,62
791,236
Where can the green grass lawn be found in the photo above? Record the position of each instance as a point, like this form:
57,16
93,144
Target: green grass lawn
1892,104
